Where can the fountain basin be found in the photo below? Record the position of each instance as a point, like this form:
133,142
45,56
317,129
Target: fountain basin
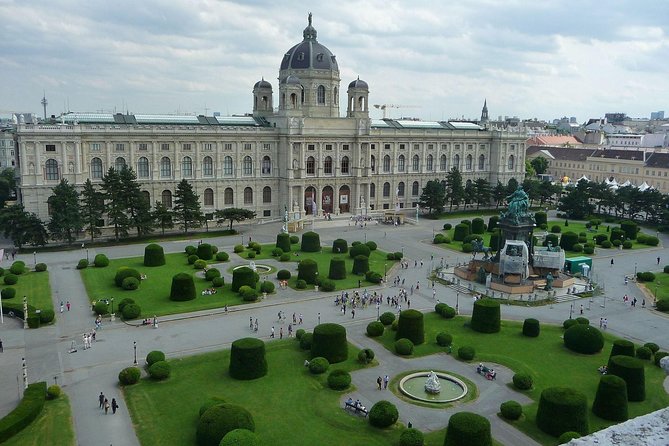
452,388
260,269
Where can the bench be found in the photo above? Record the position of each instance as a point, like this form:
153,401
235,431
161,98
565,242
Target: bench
357,409
484,371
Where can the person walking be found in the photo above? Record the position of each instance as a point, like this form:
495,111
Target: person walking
386,379
2,349
114,405
101,399
379,382
658,260
251,323
106,406
611,262
353,313
272,334
62,306
280,332
68,305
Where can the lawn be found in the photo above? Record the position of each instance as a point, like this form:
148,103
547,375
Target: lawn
36,287
53,427
545,358
659,288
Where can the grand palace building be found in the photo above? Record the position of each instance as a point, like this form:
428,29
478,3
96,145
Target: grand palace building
302,155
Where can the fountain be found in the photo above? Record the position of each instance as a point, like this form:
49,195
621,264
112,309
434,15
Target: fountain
432,384
438,388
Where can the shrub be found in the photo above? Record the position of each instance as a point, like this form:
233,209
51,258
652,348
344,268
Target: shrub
337,269
267,287
653,347
46,316
212,273
460,232
645,276
373,277
478,226
283,242
439,238
183,287
611,399
243,276
562,409
631,370
240,437
390,256
622,347
617,234
283,274
192,259
131,311
568,436
238,249
160,370
124,272
301,284
471,237
629,228
444,339
657,357
217,282
247,359
466,353
387,318
600,238
583,320
662,305
616,243
329,341
588,250
412,437
511,410
627,244
568,240
307,270
375,329
339,380
125,301
371,245
8,293
556,229
130,283
154,356
18,268
359,250
248,294
383,414
311,242
214,401
606,244
398,255
360,264
101,307
486,316
222,256
255,247
129,376
27,410
531,328
584,339
366,355
522,381
411,326
393,326
40,268
569,323
276,252
294,240
214,249
577,247
318,365
33,321
403,347
496,240
10,279
251,255
467,247
651,240
467,428
190,250
447,226
540,218
217,421
641,237
467,222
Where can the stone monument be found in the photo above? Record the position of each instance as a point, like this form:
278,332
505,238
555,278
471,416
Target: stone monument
432,384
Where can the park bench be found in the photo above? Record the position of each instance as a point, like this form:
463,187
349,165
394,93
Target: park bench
484,371
357,409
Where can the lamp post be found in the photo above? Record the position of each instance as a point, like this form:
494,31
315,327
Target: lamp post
112,305
35,257
319,318
385,272
134,346
87,259
457,303
657,284
635,271
25,373
571,310
55,378
378,311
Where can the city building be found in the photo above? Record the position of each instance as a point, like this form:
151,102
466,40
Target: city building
7,149
301,156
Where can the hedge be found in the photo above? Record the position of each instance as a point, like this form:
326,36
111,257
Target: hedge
617,234
568,240
124,272
411,326
478,226
212,273
129,376
359,250
217,421
222,256
339,379
562,409
311,242
531,328
241,437
375,329
622,347
373,277
283,274
183,287
383,414
631,370
360,265
307,270
337,269
29,408
522,381
154,255
154,356
319,365
387,318
160,370
366,355
283,241
466,429
460,232
243,276
584,339
444,339
466,353
403,347
329,341
247,359
40,268
486,316
611,399
511,410
412,437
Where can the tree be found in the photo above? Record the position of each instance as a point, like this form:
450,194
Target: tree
540,165
575,205
455,192
92,208
137,205
66,218
470,190
511,186
187,206
115,203
433,196
499,193
22,227
529,169
233,214
162,216
482,192
531,188
7,186
547,190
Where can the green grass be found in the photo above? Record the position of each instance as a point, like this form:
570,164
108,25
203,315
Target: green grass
33,285
545,358
662,290
53,427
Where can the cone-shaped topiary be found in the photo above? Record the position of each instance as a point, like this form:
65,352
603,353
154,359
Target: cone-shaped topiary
360,265
486,316
183,287
205,251
467,428
562,409
247,359
339,246
154,255
283,241
410,326
329,341
460,232
307,270
218,420
622,347
631,370
311,242
611,399
337,269
584,339
531,328
243,276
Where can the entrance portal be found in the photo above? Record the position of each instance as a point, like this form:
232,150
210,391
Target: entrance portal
309,200
344,199
328,197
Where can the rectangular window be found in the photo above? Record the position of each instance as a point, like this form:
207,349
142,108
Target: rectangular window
344,147
142,146
416,147
95,147
207,146
430,146
328,146
457,147
186,146
386,206
444,146
513,147
50,147
267,213
311,147
402,146
482,146
165,146
386,146
120,147
227,146
247,146
267,146
373,146
470,146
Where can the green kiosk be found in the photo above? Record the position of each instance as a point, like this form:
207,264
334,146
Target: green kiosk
581,265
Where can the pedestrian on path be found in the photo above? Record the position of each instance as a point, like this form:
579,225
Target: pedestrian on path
581,308
379,382
611,262
251,323
114,405
106,406
68,305
658,260
353,313
386,379
301,319
62,306
101,399
2,349
272,335
280,332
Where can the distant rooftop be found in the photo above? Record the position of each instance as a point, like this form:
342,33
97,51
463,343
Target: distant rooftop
418,124
119,118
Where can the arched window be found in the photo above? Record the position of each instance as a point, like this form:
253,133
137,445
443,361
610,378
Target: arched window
321,94
415,189
165,167
456,161
327,165
400,189
143,167
208,197
415,163
266,165
248,195
386,163
443,163
146,196
345,165
481,162
372,163
267,194
468,162
511,163
96,168
430,163
166,198
228,196
51,169
311,165
227,165
372,190
187,166
207,166
247,166
386,190
119,164
400,163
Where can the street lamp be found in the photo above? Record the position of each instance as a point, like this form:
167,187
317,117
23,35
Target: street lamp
385,272
457,303
112,305
134,346
319,318
35,257
87,259
634,270
378,311
571,310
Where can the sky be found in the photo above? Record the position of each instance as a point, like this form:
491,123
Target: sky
435,60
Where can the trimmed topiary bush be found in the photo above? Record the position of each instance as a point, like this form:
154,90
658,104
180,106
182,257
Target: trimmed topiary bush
124,272
468,429
371,245
311,242
466,353
486,316
439,239
129,376
205,251
190,250
192,259
283,274
130,283
8,293
611,399
658,356
217,282
366,355
617,234
131,311
540,218
663,305
375,329
329,341
276,252
651,240
569,323
568,240
511,410
568,436
241,437
444,339
584,339
39,268
307,270
403,347
337,269
631,370
238,249
251,255
562,409
412,437
622,347
247,359
373,277
645,276
583,320
318,365
154,356
124,302
154,255
460,232
222,256
46,316
160,370
212,273
387,318
218,420
214,401
383,414
53,392
183,287
492,223
339,246
556,229
606,244
283,242
339,380
653,347
531,328
243,276
101,307
467,247
301,284
18,268
627,244
267,287
478,226
294,240
630,229
447,226
522,381
411,326
248,294
360,265
285,257
359,250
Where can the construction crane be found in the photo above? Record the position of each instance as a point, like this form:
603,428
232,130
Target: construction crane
384,107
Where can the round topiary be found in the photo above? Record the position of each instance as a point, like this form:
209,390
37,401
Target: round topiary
212,273
412,437
556,229
337,269
584,339
319,365
366,355
222,256
124,272
285,257
562,409
214,249
267,287
40,268
125,301
154,255
306,340
243,276
373,277
192,259
183,287
460,232
283,274
568,240
339,380
478,226
466,353
294,240
214,401
200,264
160,370
248,294
238,249
204,251
307,270
339,246
130,283
444,339
190,250
486,316
255,247
251,255
588,249
46,316
393,326
154,356
568,436
569,323
466,429
398,255
540,218
131,311
653,347
247,359
631,370
217,282
622,347
359,250
8,293
283,242
611,399
522,381
101,307
661,305
387,318
53,392
617,234
301,284
511,410
10,279
18,268
383,414
447,226
439,239
311,242
583,320
360,265
467,247
531,328
657,357
375,329
241,437
276,252
329,341
218,420
129,376
627,244
411,326
403,347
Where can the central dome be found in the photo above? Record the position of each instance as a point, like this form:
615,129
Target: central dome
309,54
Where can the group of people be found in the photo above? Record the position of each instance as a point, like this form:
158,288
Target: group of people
63,305
105,404
357,405
209,291
489,373
88,339
603,369
382,383
633,301
603,322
